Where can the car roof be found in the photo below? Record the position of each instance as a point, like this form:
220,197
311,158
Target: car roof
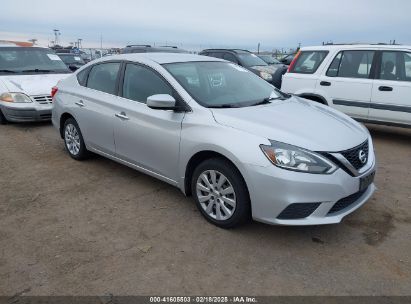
238,51
161,58
355,46
149,48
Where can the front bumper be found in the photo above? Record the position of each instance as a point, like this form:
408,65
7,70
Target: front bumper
26,112
272,190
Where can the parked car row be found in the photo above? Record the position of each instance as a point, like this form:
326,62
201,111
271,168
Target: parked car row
215,126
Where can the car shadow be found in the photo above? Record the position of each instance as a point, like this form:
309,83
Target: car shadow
390,133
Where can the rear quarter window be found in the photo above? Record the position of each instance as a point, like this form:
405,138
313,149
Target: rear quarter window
308,62
82,76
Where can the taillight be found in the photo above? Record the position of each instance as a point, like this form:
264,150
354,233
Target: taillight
290,68
54,91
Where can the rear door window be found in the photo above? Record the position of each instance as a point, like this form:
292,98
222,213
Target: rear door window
351,64
395,65
308,62
103,77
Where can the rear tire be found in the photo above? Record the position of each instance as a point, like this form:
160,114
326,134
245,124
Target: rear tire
73,140
220,193
3,119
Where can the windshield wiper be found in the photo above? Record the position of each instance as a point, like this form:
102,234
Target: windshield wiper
226,105
37,71
265,101
7,71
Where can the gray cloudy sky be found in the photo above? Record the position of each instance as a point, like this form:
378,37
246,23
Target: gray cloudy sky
210,23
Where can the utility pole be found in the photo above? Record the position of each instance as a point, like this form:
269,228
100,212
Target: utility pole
101,45
56,36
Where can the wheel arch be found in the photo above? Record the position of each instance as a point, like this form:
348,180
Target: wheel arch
314,97
63,119
198,158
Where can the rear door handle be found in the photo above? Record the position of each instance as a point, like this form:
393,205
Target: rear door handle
385,89
80,103
325,83
122,115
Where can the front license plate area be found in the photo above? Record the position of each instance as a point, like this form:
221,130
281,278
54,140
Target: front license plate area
367,180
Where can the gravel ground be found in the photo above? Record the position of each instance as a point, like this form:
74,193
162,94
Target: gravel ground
97,227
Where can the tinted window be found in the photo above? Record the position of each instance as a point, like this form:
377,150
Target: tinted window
334,66
141,82
103,77
250,60
308,62
407,61
269,59
82,77
396,66
230,57
351,64
214,84
71,59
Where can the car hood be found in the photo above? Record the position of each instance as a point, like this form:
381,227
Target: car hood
298,122
37,84
267,68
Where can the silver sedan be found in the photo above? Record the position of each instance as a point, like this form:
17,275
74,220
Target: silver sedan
218,132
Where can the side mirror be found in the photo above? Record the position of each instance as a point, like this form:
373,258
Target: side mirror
161,102
73,67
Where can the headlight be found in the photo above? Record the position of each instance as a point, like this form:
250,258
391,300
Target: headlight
15,97
297,159
266,76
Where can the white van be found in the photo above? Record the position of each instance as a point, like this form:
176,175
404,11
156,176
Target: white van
27,75
371,83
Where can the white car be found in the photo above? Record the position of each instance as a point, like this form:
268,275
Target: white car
371,83
220,133
27,75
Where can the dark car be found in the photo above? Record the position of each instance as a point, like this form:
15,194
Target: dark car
150,49
271,73
72,61
287,59
270,60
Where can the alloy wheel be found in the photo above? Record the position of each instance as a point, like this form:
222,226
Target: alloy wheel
72,139
216,195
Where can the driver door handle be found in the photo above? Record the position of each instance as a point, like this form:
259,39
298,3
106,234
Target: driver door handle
80,103
385,89
122,115
325,83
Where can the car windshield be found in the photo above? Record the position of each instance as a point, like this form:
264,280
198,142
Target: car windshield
30,60
71,59
250,60
222,84
269,59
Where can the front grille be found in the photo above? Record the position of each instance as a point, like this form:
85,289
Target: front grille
298,211
346,202
46,99
353,155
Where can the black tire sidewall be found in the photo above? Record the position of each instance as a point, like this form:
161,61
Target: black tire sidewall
3,119
242,212
83,153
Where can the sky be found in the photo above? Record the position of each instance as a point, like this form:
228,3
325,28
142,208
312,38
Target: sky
195,24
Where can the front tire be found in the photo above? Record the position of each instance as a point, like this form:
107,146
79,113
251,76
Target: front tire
73,140
220,193
3,119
